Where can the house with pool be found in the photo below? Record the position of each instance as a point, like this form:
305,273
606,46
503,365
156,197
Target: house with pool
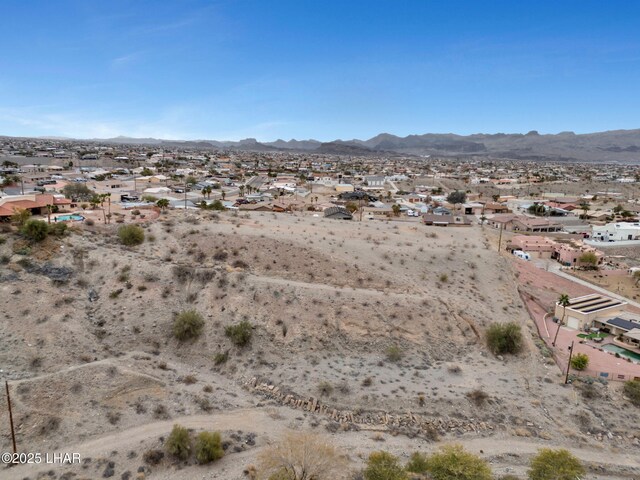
606,321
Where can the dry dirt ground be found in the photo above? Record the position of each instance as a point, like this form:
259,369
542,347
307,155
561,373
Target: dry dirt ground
87,346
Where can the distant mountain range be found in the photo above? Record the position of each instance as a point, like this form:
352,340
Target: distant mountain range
610,146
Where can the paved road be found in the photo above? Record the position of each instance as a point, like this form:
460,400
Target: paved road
555,268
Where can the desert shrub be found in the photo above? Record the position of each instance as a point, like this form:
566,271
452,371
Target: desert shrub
178,443
115,293
208,447
57,229
478,396
89,222
452,461
393,353
504,338
417,463
580,361
153,457
240,334
632,391
384,466
220,358
325,388
551,464
188,325
220,255
299,456
131,235
35,230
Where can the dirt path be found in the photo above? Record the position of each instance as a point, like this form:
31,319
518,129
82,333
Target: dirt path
333,288
261,422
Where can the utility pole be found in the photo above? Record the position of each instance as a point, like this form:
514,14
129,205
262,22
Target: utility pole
185,196
13,433
500,238
566,378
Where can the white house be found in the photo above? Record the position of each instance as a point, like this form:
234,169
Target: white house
615,232
374,181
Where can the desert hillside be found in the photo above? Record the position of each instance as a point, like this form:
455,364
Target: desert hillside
370,333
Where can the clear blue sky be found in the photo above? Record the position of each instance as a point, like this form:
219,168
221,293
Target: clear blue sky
325,69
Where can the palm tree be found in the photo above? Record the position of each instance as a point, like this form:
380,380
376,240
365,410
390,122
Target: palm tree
163,203
207,191
242,187
396,209
223,193
563,300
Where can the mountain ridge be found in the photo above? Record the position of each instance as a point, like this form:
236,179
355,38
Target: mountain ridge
609,145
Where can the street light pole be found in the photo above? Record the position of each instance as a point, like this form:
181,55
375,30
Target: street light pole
13,433
566,378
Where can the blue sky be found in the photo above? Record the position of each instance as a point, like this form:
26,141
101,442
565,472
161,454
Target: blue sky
233,69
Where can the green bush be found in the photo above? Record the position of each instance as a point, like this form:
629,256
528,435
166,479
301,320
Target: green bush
551,464
188,325
452,461
504,338
57,229
239,334
208,447
580,361
632,390
131,235
394,353
35,230
220,358
384,466
417,463
178,443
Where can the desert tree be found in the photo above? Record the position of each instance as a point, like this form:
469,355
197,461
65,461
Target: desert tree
163,203
589,260
584,206
20,216
301,456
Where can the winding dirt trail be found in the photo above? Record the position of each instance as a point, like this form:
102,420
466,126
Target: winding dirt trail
270,422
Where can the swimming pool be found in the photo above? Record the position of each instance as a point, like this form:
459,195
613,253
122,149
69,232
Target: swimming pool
66,218
622,351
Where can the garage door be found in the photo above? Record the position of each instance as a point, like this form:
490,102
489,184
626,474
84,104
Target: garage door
573,322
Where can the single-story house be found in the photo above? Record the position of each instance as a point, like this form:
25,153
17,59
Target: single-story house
35,203
446,220
338,213
589,310
255,207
